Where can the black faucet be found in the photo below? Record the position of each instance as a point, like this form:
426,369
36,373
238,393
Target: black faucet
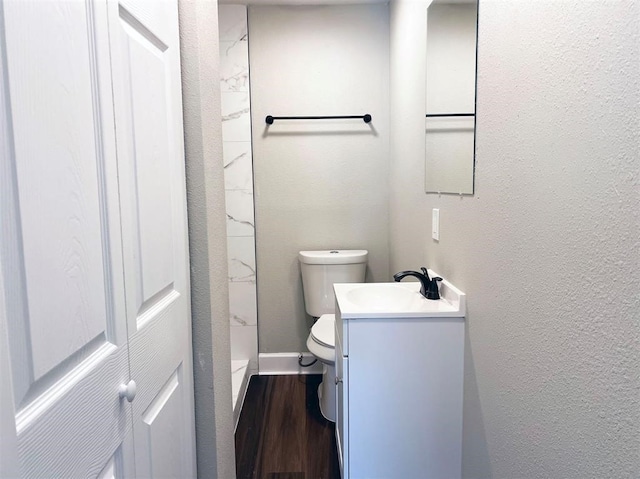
429,287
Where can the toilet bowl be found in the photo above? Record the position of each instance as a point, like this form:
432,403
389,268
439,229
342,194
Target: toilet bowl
321,343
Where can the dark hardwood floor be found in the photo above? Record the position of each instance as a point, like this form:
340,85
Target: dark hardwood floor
281,433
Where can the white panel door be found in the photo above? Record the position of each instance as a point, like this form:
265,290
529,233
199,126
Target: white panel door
149,137
62,315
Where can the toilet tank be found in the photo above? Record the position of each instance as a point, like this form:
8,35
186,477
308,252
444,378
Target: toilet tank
320,269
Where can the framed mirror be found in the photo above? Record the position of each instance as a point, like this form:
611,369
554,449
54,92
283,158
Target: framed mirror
452,27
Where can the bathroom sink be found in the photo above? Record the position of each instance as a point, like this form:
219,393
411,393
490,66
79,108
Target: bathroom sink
384,297
397,300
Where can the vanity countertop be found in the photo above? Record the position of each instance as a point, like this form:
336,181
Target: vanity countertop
397,300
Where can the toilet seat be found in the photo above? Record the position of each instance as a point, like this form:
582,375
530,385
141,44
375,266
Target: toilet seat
321,340
323,331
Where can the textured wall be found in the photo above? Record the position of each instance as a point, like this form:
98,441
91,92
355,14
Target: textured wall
207,239
408,216
318,184
548,248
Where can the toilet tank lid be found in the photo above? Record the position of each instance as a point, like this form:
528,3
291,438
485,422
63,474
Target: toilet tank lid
335,256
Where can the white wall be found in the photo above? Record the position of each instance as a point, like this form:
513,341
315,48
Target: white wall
547,249
318,184
207,239
408,228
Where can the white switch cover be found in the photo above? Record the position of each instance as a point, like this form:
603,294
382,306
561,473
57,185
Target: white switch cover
435,224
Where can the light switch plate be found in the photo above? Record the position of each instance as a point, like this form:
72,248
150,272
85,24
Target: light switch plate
435,224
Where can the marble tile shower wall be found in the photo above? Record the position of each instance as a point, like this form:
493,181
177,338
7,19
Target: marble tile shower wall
238,178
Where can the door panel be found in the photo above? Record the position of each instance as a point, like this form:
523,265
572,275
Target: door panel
9,465
160,449
145,58
68,433
60,249
147,97
61,236
150,151
113,468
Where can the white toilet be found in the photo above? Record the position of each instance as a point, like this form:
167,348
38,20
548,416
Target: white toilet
320,270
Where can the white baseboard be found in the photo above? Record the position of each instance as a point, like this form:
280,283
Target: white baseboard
286,363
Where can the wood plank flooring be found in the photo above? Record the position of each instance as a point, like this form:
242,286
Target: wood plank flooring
281,433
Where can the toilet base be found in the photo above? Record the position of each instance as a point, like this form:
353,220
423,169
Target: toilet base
327,392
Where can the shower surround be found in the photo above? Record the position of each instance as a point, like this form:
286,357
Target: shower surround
238,178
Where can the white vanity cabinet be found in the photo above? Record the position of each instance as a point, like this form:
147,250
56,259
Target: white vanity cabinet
399,391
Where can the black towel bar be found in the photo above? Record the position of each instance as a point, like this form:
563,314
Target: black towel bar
270,119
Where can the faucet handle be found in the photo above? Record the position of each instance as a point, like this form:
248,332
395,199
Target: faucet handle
425,272
433,291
